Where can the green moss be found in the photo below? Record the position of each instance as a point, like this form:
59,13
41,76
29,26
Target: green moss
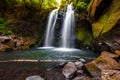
4,26
107,20
97,28
84,36
80,35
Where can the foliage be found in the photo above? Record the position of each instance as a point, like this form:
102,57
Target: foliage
82,5
4,29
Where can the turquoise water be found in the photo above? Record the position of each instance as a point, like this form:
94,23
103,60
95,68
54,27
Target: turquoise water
48,54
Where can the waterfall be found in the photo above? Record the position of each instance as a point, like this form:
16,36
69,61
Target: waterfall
49,36
67,33
68,28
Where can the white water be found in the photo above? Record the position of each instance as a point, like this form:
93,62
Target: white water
68,28
49,36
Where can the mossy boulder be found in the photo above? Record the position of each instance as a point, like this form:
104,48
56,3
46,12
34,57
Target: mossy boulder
104,64
103,15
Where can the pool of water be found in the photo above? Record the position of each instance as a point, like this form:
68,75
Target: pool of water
48,54
11,67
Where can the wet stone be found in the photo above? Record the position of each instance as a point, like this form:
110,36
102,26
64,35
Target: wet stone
35,77
82,60
79,64
69,69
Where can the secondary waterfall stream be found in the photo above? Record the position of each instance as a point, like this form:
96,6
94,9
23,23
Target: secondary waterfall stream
68,28
49,36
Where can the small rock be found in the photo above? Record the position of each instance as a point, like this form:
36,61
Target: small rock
4,47
82,60
62,64
4,39
79,72
69,69
35,77
79,64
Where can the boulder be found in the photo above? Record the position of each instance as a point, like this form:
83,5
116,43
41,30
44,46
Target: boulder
69,69
92,69
104,62
107,63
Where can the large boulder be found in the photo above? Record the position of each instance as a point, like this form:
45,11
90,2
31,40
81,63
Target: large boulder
104,62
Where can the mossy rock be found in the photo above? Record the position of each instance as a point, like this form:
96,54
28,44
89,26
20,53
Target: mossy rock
108,19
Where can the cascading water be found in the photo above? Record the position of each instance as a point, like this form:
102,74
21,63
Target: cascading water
49,36
68,28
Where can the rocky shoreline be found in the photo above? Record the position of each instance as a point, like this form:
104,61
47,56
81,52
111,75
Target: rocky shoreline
13,42
105,67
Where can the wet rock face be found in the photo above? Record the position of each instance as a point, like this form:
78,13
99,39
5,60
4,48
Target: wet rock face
83,33
97,8
104,14
107,43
